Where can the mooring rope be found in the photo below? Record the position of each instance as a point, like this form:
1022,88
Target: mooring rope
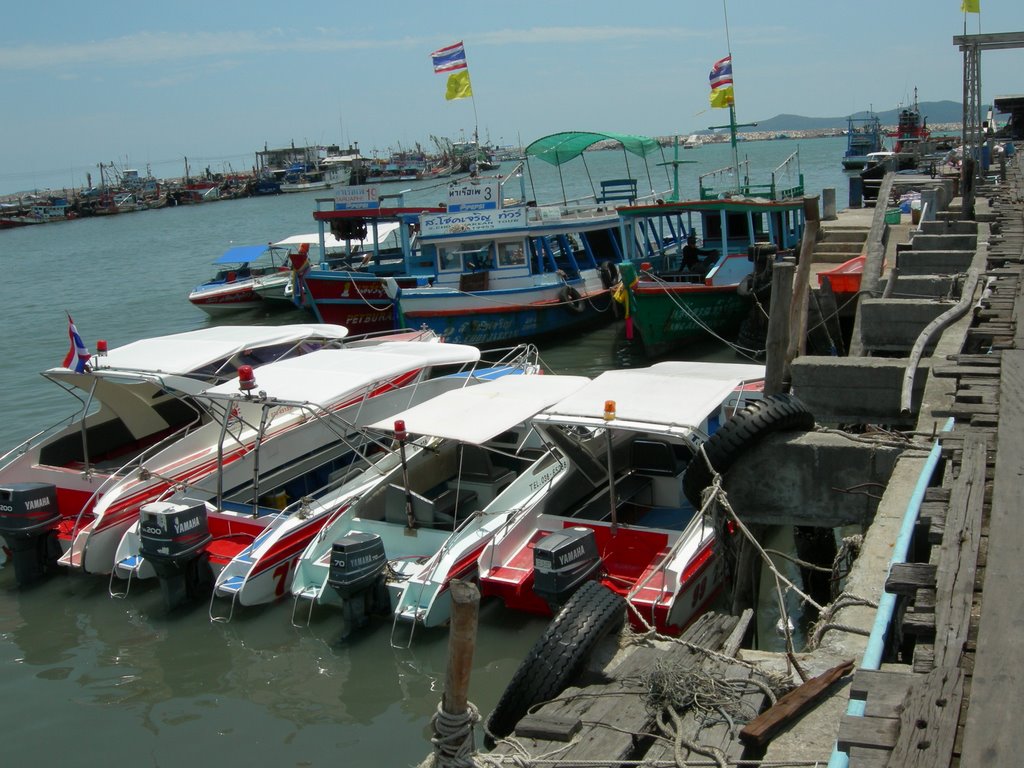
453,737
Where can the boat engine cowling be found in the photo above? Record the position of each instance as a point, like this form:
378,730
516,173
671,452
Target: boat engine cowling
357,574
28,520
173,539
562,561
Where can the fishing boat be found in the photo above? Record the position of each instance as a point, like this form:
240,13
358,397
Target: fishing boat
433,502
912,137
863,136
232,288
613,507
668,303
356,286
84,478
242,526
492,267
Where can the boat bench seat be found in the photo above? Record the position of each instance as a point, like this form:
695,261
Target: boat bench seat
627,489
618,189
437,510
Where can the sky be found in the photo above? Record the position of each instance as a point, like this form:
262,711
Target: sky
145,85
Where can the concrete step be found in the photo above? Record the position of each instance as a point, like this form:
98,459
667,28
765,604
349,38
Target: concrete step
824,246
833,258
915,262
949,227
843,235
954,242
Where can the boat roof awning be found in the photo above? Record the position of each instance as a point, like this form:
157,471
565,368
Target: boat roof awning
329,376
562,147
672,395
475,414
183,353
384,229
241,254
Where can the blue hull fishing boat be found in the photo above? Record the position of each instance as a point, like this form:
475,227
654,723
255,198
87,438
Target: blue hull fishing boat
863,136
491,267
506,272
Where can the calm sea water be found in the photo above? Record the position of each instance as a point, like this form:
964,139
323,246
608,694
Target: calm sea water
86,677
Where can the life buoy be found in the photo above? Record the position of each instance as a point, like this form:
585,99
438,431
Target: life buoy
609,274
571,298
558,655
775,413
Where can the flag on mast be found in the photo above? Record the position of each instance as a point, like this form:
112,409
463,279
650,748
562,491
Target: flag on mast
721,83
78,355
970,6
451,60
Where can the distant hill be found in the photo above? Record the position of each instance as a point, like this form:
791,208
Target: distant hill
935,111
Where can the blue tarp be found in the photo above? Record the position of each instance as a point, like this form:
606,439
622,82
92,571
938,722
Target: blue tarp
242,254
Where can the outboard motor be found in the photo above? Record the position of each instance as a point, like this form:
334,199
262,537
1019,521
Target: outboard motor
562,561
358,562
173,539
28,522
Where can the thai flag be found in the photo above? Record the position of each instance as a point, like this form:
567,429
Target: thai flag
449,59
721,73
78,355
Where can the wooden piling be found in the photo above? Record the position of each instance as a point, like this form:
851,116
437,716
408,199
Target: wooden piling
798,301
461,645
778,326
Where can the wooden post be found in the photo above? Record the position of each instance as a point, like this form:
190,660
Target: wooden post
798,302
778,326
461,645
453,722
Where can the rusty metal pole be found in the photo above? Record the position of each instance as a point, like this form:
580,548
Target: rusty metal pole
453,724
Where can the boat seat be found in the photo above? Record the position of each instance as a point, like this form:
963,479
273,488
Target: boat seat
656,457
618,189
478,467
439,511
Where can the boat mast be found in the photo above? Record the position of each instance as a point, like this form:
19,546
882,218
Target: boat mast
733,125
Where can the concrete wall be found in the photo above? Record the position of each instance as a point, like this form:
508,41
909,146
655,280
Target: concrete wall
820,479
855,390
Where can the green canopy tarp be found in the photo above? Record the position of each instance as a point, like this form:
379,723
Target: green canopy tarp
562,147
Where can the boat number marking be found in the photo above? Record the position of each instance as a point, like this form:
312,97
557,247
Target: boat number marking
280,575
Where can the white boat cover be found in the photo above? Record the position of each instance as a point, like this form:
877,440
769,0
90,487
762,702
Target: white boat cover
182,353
670,394
384,229
328,376
478,413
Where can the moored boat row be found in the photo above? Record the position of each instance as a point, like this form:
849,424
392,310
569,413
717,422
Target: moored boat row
251,464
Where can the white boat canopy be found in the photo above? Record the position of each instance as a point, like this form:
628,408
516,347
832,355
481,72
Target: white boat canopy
477,414
183,353
676,396
327,376
384,229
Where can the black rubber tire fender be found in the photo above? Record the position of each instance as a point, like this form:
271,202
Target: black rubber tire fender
775,413
571,298
559,655
609,273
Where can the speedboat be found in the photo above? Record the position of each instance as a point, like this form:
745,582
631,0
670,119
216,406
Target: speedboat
243,525
463,462
232,287
617,513
73,489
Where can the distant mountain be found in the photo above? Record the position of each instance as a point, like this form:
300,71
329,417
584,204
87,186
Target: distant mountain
935,111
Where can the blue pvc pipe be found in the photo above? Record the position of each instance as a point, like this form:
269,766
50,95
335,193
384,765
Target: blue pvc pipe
887,603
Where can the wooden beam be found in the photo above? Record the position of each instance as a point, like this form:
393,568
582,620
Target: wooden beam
762,728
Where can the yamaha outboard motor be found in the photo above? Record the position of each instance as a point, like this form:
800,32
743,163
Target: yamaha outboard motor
358,563
173,539
562,561
28,522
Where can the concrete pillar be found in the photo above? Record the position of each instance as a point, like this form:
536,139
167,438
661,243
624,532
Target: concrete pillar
828,204
929,204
